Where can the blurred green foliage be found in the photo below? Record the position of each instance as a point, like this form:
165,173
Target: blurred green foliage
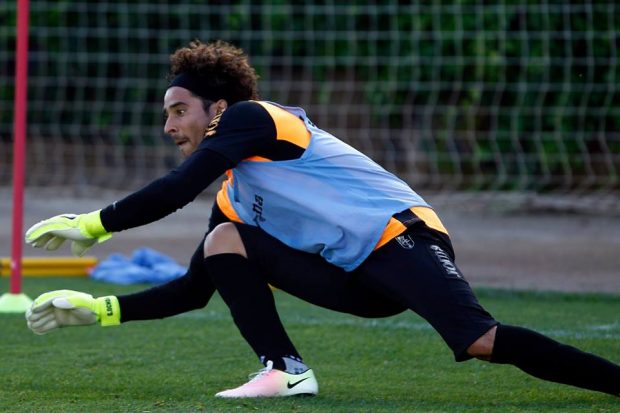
518,88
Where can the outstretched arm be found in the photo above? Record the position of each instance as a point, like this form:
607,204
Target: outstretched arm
166,194
151,203
245,130
189,292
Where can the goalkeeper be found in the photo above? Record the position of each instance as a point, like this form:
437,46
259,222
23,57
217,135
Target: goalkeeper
304,212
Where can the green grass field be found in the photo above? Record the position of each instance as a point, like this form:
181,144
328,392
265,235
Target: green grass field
389,365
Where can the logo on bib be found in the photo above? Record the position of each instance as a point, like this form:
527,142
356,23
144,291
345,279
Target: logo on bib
405,241
257,208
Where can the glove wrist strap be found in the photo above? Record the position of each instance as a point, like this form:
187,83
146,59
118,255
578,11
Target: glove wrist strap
94,227
109,311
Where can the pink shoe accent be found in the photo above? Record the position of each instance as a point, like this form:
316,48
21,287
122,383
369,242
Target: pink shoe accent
274,383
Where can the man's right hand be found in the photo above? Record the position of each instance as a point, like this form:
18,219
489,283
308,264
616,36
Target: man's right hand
84,230
60,308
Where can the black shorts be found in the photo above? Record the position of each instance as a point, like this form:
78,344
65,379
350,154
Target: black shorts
413,271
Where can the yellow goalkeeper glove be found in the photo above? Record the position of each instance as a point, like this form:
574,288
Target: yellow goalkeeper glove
60,308
84,230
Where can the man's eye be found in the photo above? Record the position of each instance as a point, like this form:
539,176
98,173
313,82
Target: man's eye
181,112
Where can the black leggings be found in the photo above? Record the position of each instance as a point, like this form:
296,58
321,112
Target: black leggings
413,271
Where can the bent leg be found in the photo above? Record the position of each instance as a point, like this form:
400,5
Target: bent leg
244,282
248,297
309,277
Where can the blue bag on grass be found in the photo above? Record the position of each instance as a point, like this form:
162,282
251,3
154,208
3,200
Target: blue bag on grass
146,266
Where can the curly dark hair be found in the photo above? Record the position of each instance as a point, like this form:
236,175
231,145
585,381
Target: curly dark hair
224,67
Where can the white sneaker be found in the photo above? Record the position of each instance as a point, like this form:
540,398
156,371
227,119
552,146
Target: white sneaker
275,383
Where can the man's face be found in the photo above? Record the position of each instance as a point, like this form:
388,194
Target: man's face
186,120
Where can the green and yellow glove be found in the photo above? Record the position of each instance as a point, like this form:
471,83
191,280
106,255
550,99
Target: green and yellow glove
61,308
84,230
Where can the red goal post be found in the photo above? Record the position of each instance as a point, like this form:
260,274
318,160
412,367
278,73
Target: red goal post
15,301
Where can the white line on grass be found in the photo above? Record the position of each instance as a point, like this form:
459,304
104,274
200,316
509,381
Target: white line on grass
602,331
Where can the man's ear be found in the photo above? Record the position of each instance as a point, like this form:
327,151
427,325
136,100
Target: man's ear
220,106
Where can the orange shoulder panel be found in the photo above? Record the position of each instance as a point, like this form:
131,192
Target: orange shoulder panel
288,126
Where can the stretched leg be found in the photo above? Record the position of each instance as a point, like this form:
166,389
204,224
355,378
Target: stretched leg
417,271
426,279
547,359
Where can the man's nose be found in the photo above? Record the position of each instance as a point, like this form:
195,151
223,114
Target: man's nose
169,126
